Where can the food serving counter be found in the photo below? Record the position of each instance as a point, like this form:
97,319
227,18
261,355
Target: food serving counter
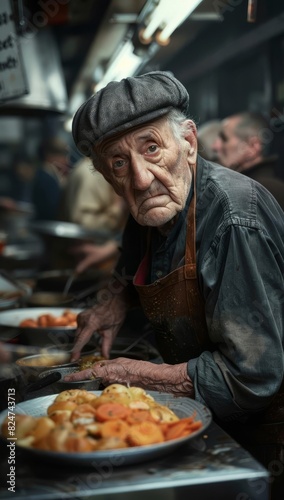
211,466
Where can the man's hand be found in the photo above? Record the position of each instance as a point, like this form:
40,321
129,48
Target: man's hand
105,319
172,379
90,254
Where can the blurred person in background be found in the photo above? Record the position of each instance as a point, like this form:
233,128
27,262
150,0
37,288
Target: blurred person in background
207,135
242,145
50,178
19,181
90,201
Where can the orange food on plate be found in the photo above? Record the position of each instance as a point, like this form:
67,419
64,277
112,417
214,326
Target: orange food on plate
111,411
120,417
115,428
28,323
68,318
181,428
145,433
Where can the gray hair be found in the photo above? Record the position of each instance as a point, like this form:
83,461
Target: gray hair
176,120
253,125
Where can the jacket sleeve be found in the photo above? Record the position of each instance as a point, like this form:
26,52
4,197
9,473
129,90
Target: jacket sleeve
244,292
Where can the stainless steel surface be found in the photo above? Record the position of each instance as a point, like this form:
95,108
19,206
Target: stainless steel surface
212,466
183,407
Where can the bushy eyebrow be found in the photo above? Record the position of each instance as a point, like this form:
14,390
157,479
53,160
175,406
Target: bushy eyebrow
145,137
115,149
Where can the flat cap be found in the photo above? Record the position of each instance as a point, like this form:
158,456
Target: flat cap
122,105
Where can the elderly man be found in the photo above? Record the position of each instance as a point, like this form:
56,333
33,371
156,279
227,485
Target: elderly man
203,254
242,146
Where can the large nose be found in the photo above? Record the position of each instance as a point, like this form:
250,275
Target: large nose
142,176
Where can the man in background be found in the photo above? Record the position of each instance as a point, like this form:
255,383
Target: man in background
242,146
207,134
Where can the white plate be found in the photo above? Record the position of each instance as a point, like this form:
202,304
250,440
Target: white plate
13,318
183,407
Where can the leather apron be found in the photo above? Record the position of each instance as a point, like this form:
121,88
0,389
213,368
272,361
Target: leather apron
173,304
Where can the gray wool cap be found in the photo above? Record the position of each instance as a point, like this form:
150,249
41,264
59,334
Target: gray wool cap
122,105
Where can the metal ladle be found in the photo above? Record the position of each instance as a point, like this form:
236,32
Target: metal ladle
69,283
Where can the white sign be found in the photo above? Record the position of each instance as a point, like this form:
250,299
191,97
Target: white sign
12,76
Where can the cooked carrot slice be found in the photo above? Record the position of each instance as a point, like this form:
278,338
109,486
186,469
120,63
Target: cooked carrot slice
145,433
137,416
182,428
43,320
28,323
115,428
111,411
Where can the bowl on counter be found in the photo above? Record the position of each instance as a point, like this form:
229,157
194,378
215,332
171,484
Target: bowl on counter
41,336
61,385
49,299
32,366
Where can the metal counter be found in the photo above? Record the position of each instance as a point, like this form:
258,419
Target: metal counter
213,466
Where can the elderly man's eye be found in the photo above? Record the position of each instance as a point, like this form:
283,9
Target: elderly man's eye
118,163
223,137
153,148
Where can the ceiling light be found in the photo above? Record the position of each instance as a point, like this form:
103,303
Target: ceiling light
166,17
124,63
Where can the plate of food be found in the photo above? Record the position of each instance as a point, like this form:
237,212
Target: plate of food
126,424
41,326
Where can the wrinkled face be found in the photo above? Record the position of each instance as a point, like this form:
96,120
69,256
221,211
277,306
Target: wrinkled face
150,168
232,151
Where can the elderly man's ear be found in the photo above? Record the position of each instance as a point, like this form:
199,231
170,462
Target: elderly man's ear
255,147
191,138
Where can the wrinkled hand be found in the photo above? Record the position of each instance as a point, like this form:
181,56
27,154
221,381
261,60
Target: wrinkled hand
91,254
172,379
105,319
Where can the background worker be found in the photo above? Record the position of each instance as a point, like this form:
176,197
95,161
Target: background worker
242,145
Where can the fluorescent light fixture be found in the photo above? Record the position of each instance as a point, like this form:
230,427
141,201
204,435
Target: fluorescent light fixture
124,64
167,16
